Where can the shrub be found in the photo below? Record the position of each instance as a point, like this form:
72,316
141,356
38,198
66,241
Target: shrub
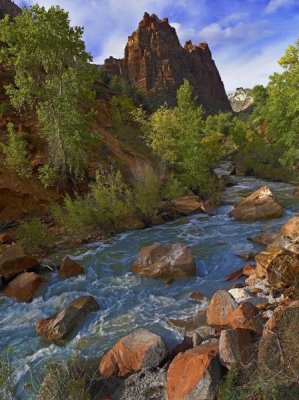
34,235
5,109
7,379
172,188
15,152
65,380
48,175
77,216
121,109
112,197
147,191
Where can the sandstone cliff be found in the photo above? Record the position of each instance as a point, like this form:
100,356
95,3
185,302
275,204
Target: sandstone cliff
9,7
156,63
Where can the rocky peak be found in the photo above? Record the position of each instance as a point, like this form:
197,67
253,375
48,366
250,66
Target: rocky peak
156,63
8,7
241,100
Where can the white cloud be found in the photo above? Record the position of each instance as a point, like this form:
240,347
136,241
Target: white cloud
274,5
246,72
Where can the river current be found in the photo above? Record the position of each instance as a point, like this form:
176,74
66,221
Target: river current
128,301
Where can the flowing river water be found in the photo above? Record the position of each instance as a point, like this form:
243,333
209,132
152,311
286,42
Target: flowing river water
128,301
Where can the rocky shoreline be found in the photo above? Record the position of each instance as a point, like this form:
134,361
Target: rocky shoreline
220,338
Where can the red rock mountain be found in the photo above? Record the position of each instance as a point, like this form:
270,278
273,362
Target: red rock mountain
9,7
156,63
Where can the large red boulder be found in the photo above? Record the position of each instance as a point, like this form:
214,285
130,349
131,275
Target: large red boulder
221,308
24,286
70,268
291,228
138,350
279,266
14,261
61,325
235,347
259,205
160,260
195,374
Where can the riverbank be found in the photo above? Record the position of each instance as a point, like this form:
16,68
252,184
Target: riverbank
129,301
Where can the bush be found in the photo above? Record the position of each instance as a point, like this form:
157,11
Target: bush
7,379
112,197
65,380
77,216
121,109
48,175
147,191
5,109
34,235
15,152
173,188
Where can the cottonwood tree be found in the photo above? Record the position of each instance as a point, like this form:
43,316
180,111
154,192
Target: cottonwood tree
54,78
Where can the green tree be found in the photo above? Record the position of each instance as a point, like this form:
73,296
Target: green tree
15,152
178,135
282,114
121,109
53,77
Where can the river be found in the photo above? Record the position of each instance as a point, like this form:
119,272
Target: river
128,301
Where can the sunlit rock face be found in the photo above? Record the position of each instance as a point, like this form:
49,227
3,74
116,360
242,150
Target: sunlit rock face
156,63
241,100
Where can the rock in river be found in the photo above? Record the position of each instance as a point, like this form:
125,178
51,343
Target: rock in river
160,260
259,205
14,261
24,286
70,268
61,325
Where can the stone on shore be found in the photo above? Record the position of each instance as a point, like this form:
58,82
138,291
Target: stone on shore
140,349
195,374
24,286
164,261
14,261
61,325
235,347
220,309
261,204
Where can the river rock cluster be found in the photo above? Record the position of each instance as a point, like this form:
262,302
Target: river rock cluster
235,327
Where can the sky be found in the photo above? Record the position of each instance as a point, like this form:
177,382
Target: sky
246,37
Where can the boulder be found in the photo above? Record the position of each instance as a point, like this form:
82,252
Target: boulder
235,347
61,325
14,261
70,268
24,286
279,266
190,323
291,228
195,374
234,276
164,261
220,309
140,349
187,205
259,205
224,311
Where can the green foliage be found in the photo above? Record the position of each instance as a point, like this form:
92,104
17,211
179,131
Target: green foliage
54,78
113,198
5,109
282,109
121,109
179,136
15,152
104,77
48,175
173,188
34,235
123,88
7,378
147,192
77,216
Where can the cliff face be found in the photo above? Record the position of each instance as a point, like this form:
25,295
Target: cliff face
9,7
241,100
156,63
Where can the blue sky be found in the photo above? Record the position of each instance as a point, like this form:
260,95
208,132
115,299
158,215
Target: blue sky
246,36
